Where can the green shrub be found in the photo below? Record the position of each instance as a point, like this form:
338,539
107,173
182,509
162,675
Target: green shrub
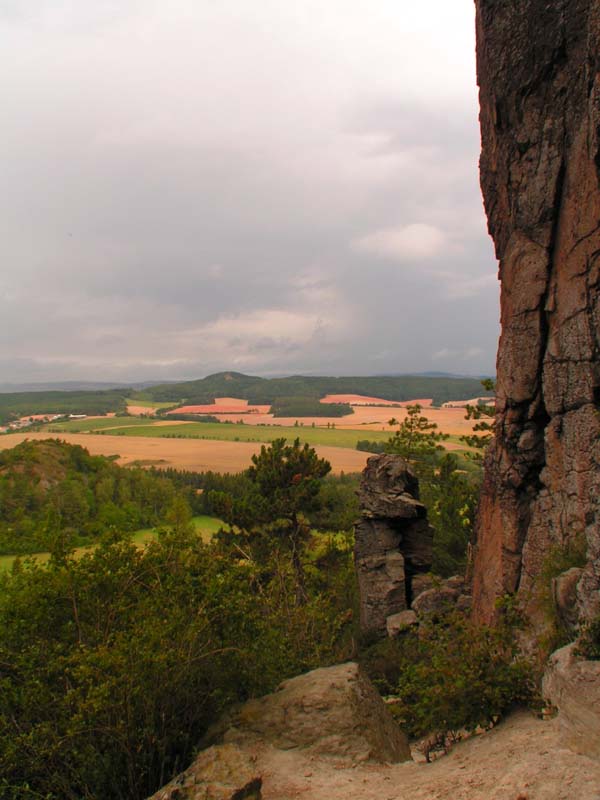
588,645
113,666
451,675
559,559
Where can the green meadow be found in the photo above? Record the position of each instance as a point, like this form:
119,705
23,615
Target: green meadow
205,526
225,431
148,403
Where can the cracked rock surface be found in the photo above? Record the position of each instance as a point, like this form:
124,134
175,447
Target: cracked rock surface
538,71
393,540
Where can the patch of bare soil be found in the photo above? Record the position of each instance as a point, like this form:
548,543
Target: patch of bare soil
139,411
520,759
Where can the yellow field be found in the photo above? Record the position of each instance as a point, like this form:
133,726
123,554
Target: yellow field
197,455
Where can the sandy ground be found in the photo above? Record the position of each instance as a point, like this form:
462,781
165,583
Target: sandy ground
198,455
521,759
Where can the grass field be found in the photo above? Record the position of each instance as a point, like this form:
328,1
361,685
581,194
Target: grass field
148,404
331,437
97,424
205,526
229,432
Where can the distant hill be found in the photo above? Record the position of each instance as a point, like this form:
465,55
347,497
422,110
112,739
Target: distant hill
71,386
20,404
267,390
259,391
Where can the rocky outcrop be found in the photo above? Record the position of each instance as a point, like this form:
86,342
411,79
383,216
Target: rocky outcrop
393,540
333,711
573,685
538,70
224,772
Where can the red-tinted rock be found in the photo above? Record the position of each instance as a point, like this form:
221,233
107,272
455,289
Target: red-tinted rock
538,70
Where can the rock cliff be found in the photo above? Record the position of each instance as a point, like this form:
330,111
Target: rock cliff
538,72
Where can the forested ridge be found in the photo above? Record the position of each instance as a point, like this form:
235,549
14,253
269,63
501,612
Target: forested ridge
234,384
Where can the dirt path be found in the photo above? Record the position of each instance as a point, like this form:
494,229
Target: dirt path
521,759
199,455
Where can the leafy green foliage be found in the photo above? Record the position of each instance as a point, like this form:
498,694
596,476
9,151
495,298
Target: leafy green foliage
484,429
113,666
558,559
337,509
416,439
588,645
369,446
18,404
451,674
451,497
309,407
286,485
50,488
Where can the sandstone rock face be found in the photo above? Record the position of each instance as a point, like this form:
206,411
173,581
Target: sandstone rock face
393,540
573,685
333,711
538,70
224,772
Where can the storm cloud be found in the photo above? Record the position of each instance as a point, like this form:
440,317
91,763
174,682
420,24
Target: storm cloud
272,187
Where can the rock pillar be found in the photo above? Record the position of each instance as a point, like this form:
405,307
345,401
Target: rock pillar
393,540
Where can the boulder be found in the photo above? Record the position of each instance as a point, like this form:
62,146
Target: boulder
224,772
333,711
572,684
435,601
398,622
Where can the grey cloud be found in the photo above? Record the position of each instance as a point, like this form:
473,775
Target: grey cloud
172,171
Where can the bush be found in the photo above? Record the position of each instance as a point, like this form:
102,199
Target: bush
559,559
589,641
308,407
113,666
367,446
450,675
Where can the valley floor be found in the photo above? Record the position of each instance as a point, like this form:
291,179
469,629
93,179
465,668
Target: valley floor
521,759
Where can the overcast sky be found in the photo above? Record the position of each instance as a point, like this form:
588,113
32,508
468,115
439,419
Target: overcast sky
271,186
